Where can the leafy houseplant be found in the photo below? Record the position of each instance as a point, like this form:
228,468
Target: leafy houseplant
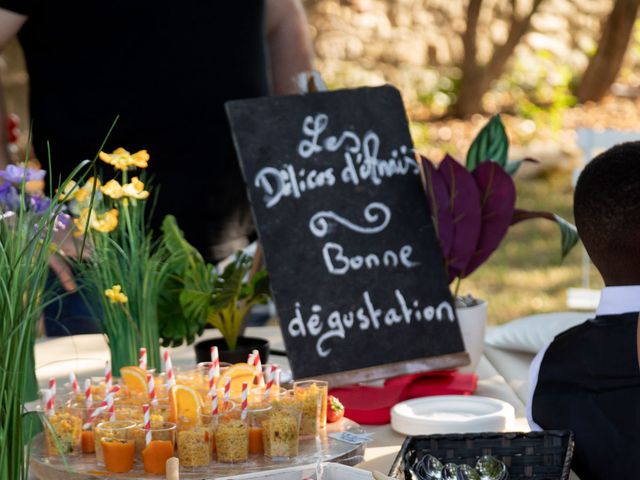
200,295
29,227
472,209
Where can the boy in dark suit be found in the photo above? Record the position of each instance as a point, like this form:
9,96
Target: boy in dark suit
588,379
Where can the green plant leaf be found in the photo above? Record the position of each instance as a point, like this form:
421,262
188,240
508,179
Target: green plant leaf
568,231
184,297
491,144
512,167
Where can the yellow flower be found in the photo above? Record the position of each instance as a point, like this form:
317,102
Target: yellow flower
113,189
135,189
103,223
122,159
83,194
115,295
106,222
68,192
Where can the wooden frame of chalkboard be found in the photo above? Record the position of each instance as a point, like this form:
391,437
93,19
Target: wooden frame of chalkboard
356,269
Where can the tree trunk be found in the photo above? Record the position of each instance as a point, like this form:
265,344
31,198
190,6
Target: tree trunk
604,66
477,79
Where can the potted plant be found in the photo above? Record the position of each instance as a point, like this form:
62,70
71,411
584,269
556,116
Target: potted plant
126,268
198,295
472,208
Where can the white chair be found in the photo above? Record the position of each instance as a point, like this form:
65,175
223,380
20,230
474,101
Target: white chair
592,142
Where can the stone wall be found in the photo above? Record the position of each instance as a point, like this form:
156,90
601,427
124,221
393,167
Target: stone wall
410,43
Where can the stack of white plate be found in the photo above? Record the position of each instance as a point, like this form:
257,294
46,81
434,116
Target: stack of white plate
452,414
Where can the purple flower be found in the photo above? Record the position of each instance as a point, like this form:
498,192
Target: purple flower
61,222
16,174
39,204
9,198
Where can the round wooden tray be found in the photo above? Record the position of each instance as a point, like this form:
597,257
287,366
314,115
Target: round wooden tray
312,450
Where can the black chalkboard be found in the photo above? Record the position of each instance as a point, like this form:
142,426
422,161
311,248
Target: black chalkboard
355,266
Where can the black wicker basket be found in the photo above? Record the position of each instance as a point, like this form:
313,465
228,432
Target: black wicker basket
535,455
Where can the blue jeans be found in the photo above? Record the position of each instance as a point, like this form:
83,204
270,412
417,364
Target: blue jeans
69,314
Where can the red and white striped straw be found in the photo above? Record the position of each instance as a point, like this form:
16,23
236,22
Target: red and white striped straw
95,413
214,402
52,387
49,409
88,397
212,379
147,423
152,389
270,379
142,359
245,403
215,360
111,404
227,389
168,368
258,364
74,383
108,378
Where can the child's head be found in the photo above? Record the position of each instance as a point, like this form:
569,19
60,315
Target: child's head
607,213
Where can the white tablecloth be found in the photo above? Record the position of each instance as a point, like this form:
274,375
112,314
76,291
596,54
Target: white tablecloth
86,355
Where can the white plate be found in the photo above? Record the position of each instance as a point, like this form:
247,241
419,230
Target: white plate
451,414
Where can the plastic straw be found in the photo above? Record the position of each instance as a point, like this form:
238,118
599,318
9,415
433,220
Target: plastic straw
212,379
245,403
52,387
168,368
214,402
49,409
88,397
152,389
258,364
215,360
142,359
74,383
227,389
111,406
270,379
147,423
108,379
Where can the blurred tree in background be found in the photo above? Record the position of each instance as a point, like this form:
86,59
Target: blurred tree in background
606,62
478,78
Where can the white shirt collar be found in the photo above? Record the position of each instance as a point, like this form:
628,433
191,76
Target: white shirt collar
617,300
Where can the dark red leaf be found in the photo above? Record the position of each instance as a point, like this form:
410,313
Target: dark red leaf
498,200
464,206
438,201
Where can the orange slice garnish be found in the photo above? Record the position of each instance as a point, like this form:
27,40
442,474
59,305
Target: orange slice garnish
185,403
239,373
135,378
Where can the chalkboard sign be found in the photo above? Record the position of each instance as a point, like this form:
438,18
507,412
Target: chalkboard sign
356,270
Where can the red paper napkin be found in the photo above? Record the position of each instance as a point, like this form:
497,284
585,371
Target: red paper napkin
372,405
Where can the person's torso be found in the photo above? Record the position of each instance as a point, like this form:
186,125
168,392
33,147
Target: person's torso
165,70
589,382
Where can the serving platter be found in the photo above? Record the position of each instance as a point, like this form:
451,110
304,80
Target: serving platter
312,450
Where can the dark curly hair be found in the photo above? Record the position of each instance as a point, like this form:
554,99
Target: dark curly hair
607,213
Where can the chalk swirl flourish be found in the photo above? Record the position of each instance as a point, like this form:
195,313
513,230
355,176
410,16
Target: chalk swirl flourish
375,213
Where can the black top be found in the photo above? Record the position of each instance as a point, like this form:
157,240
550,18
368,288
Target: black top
589,382
166,69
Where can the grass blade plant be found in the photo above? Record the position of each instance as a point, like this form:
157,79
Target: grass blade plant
29,224
125,269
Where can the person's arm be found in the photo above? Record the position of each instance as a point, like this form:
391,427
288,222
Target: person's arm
10,23
289,43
